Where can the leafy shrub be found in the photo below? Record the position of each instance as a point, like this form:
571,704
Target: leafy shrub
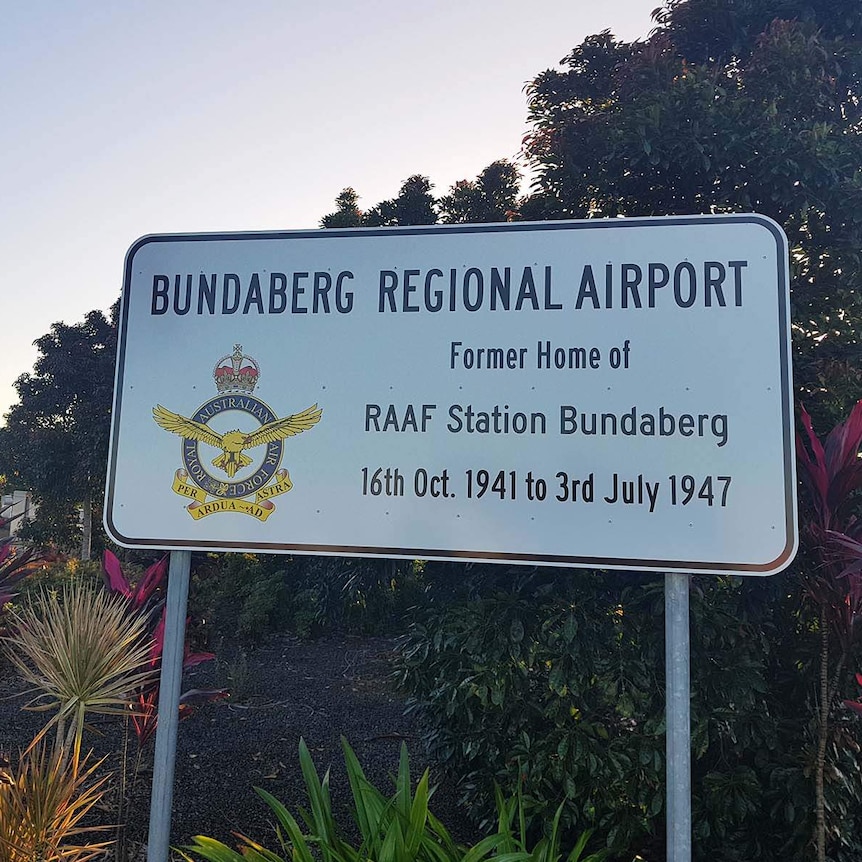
238,597
246,596
147,599
365,596
831,472
541,694
562,692
56,574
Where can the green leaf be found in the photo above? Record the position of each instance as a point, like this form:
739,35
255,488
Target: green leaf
213,850
516,631
301,851
419,809
402,784
318,796
485,847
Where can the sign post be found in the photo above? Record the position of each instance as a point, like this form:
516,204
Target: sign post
605,394
677,717
158,839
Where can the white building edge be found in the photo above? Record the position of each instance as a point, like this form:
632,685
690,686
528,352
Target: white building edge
15,509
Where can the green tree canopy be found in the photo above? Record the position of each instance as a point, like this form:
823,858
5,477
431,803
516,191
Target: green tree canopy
726,107
55,441
492,196
414,204
347,212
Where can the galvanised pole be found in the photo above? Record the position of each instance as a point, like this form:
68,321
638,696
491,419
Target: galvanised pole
158,841
678,716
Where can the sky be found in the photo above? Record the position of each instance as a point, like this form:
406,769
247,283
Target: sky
165,116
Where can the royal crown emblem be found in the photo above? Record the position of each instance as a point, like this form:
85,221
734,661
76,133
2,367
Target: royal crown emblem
251,482
236,372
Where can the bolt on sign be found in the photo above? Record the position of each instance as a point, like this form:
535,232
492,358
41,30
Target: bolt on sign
609,393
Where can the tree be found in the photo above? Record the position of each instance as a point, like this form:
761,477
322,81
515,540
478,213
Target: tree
739,106
55,441
491,197
414,205
347,212
726,107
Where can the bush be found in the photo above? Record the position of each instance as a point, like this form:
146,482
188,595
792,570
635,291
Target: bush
562,691
44,808
237,596
247,596
527,690
54,576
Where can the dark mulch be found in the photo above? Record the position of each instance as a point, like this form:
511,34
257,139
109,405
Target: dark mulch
319,690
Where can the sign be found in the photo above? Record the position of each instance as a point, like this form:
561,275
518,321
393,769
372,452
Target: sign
609,393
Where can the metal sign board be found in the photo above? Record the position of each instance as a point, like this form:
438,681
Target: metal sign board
608,393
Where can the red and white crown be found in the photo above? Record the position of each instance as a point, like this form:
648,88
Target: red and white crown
236,372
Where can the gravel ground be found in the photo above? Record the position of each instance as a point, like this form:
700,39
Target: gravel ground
319,690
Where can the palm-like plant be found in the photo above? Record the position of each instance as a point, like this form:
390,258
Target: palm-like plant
42,806
82,652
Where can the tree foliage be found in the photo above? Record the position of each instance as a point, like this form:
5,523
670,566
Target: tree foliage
492,196
55,441
347,212
414,204
727,107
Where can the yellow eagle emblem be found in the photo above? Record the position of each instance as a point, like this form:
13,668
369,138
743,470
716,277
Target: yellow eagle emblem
233,443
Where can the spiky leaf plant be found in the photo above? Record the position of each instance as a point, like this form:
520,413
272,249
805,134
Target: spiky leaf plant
82,652
42,805
397,828
392,829
515,846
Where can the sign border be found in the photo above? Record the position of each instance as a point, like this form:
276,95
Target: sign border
574,561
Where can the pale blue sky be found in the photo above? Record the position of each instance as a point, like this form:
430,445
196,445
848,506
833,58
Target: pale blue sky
122,119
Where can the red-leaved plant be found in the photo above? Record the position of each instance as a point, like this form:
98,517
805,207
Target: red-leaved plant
856,705
147,596
832,474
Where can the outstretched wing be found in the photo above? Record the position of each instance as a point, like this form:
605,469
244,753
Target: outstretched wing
281,428
187,428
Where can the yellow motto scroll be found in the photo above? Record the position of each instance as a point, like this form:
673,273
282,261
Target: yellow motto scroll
236,376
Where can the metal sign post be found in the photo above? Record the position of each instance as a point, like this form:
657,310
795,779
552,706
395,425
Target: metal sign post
677,717
169,707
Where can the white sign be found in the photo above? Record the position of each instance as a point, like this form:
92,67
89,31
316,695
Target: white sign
609,393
